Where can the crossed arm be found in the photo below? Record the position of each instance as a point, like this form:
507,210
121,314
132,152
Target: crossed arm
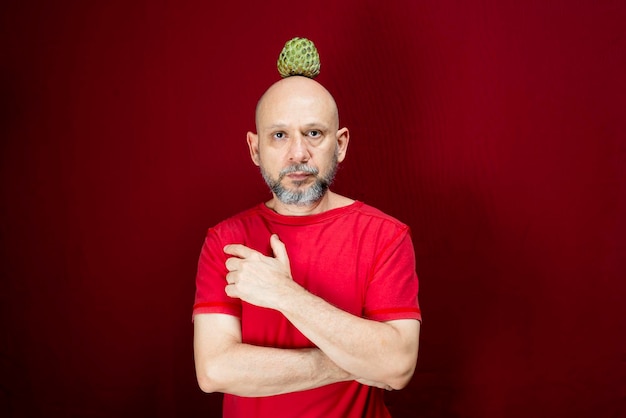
381,354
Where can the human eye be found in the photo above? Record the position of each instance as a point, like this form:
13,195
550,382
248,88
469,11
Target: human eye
279,135
314,133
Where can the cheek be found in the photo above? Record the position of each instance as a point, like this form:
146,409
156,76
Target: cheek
327,159
269,164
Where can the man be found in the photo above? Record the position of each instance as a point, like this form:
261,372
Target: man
306,305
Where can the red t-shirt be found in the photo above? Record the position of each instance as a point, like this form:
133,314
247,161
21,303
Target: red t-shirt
356,257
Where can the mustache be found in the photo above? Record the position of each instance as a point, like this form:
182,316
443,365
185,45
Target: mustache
302,168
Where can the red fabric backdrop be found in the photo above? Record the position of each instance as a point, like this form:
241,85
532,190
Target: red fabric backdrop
495,129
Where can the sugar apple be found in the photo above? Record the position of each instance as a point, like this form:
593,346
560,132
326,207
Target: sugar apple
299,57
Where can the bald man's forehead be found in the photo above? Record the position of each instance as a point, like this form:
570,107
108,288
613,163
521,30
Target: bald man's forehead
301,111
298,94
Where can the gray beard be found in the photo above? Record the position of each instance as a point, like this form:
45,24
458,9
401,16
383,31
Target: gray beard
305,197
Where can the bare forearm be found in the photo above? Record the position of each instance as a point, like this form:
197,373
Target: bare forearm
247,370
371,350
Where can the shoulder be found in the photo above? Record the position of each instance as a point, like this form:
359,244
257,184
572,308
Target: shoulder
376,214
239,223
373,225
362,209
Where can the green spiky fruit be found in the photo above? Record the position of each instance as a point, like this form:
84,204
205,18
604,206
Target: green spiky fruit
299,57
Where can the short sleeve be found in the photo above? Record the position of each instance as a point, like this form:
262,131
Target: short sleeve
393,286
211,280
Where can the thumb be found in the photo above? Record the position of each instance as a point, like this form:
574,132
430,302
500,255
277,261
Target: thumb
280,252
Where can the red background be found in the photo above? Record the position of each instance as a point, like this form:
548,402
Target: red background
495,129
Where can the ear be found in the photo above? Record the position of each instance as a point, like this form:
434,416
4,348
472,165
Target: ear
343,137
253,145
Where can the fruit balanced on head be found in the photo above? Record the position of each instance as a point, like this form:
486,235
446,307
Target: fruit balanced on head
299,57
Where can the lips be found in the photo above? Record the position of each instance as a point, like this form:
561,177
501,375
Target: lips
298,175
299,179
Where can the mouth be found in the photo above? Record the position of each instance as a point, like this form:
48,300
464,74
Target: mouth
298,173
298,176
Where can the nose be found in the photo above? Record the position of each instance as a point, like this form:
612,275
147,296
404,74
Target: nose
298,150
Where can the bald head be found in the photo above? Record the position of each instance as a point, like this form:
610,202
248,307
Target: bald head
292,94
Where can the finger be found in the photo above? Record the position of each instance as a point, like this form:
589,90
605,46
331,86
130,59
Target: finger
239,250
279,249
230,278
232,263
231,291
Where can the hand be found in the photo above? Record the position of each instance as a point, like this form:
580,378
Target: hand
258,279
